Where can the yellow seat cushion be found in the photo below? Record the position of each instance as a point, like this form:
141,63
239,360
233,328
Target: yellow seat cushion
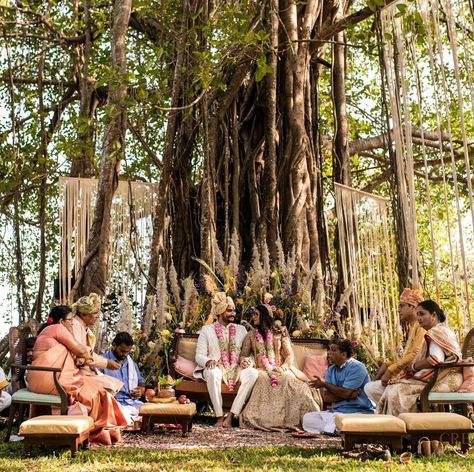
56,424
360,423
172,409
435,421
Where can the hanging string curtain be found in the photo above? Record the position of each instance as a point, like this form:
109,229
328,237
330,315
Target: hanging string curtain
130,237
367,249
428,62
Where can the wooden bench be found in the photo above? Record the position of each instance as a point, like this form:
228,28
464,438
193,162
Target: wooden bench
184,345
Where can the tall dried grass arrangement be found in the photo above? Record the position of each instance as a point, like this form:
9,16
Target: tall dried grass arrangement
190,312
162,297
174,287
125,322
149,315
218,258
210,284
234,256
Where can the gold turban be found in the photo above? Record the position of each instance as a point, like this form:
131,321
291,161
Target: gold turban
411,296
220,302
87,305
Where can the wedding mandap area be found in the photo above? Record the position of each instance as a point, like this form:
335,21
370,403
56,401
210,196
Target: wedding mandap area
236,235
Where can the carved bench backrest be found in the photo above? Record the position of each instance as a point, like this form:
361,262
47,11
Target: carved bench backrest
185,346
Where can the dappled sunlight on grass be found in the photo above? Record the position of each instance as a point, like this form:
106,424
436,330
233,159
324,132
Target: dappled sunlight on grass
196,460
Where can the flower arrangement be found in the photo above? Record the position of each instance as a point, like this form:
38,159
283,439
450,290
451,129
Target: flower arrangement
183,306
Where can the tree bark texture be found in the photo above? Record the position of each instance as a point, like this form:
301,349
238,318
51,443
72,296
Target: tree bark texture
93,275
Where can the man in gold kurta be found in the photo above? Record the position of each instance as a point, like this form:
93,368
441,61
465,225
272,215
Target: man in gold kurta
409,300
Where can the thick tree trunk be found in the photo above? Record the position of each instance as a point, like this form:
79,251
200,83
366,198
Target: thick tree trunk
270,218
341,163
298,146
159,221
93,275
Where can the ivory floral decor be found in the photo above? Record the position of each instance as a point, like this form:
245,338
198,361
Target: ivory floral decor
184,306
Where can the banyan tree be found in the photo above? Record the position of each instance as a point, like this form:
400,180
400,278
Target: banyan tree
263,127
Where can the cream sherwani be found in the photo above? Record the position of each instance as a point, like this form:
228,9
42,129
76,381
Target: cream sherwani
208,349
86,337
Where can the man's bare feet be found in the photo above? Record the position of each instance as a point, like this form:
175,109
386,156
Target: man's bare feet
228,421
219,422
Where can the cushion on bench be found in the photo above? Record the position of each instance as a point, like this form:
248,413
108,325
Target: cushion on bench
303,350
56,424
362,423
26,396
435,421
185,367
168,409
467,397
187,348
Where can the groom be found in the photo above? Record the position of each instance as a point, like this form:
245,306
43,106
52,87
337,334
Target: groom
217,355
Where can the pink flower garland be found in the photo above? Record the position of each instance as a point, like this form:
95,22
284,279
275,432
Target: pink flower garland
228,353
267,355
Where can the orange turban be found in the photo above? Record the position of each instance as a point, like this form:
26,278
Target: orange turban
411,296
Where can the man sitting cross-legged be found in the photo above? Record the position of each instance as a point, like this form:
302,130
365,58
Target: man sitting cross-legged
344,387
133,382
217,354
409,300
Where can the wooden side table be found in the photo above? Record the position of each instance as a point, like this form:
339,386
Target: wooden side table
176,413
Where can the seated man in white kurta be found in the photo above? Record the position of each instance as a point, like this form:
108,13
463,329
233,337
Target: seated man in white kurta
217,356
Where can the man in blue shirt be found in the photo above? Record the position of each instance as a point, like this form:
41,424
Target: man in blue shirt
344,387
133,382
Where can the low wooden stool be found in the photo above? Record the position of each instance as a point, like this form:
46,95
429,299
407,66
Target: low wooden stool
176,413
368,428
443,427
57,430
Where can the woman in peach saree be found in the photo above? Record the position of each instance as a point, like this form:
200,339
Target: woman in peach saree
56,347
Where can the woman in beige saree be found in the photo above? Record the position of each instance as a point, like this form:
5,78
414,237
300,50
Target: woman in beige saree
56,347
281,396
440,345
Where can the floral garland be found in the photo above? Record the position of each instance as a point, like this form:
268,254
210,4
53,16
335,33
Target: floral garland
266,354
228,354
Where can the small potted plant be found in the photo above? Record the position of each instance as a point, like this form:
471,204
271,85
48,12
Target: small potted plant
165,386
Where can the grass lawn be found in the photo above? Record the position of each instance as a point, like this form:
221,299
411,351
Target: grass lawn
196,460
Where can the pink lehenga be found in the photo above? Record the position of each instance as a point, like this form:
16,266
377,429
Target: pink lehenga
56,347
